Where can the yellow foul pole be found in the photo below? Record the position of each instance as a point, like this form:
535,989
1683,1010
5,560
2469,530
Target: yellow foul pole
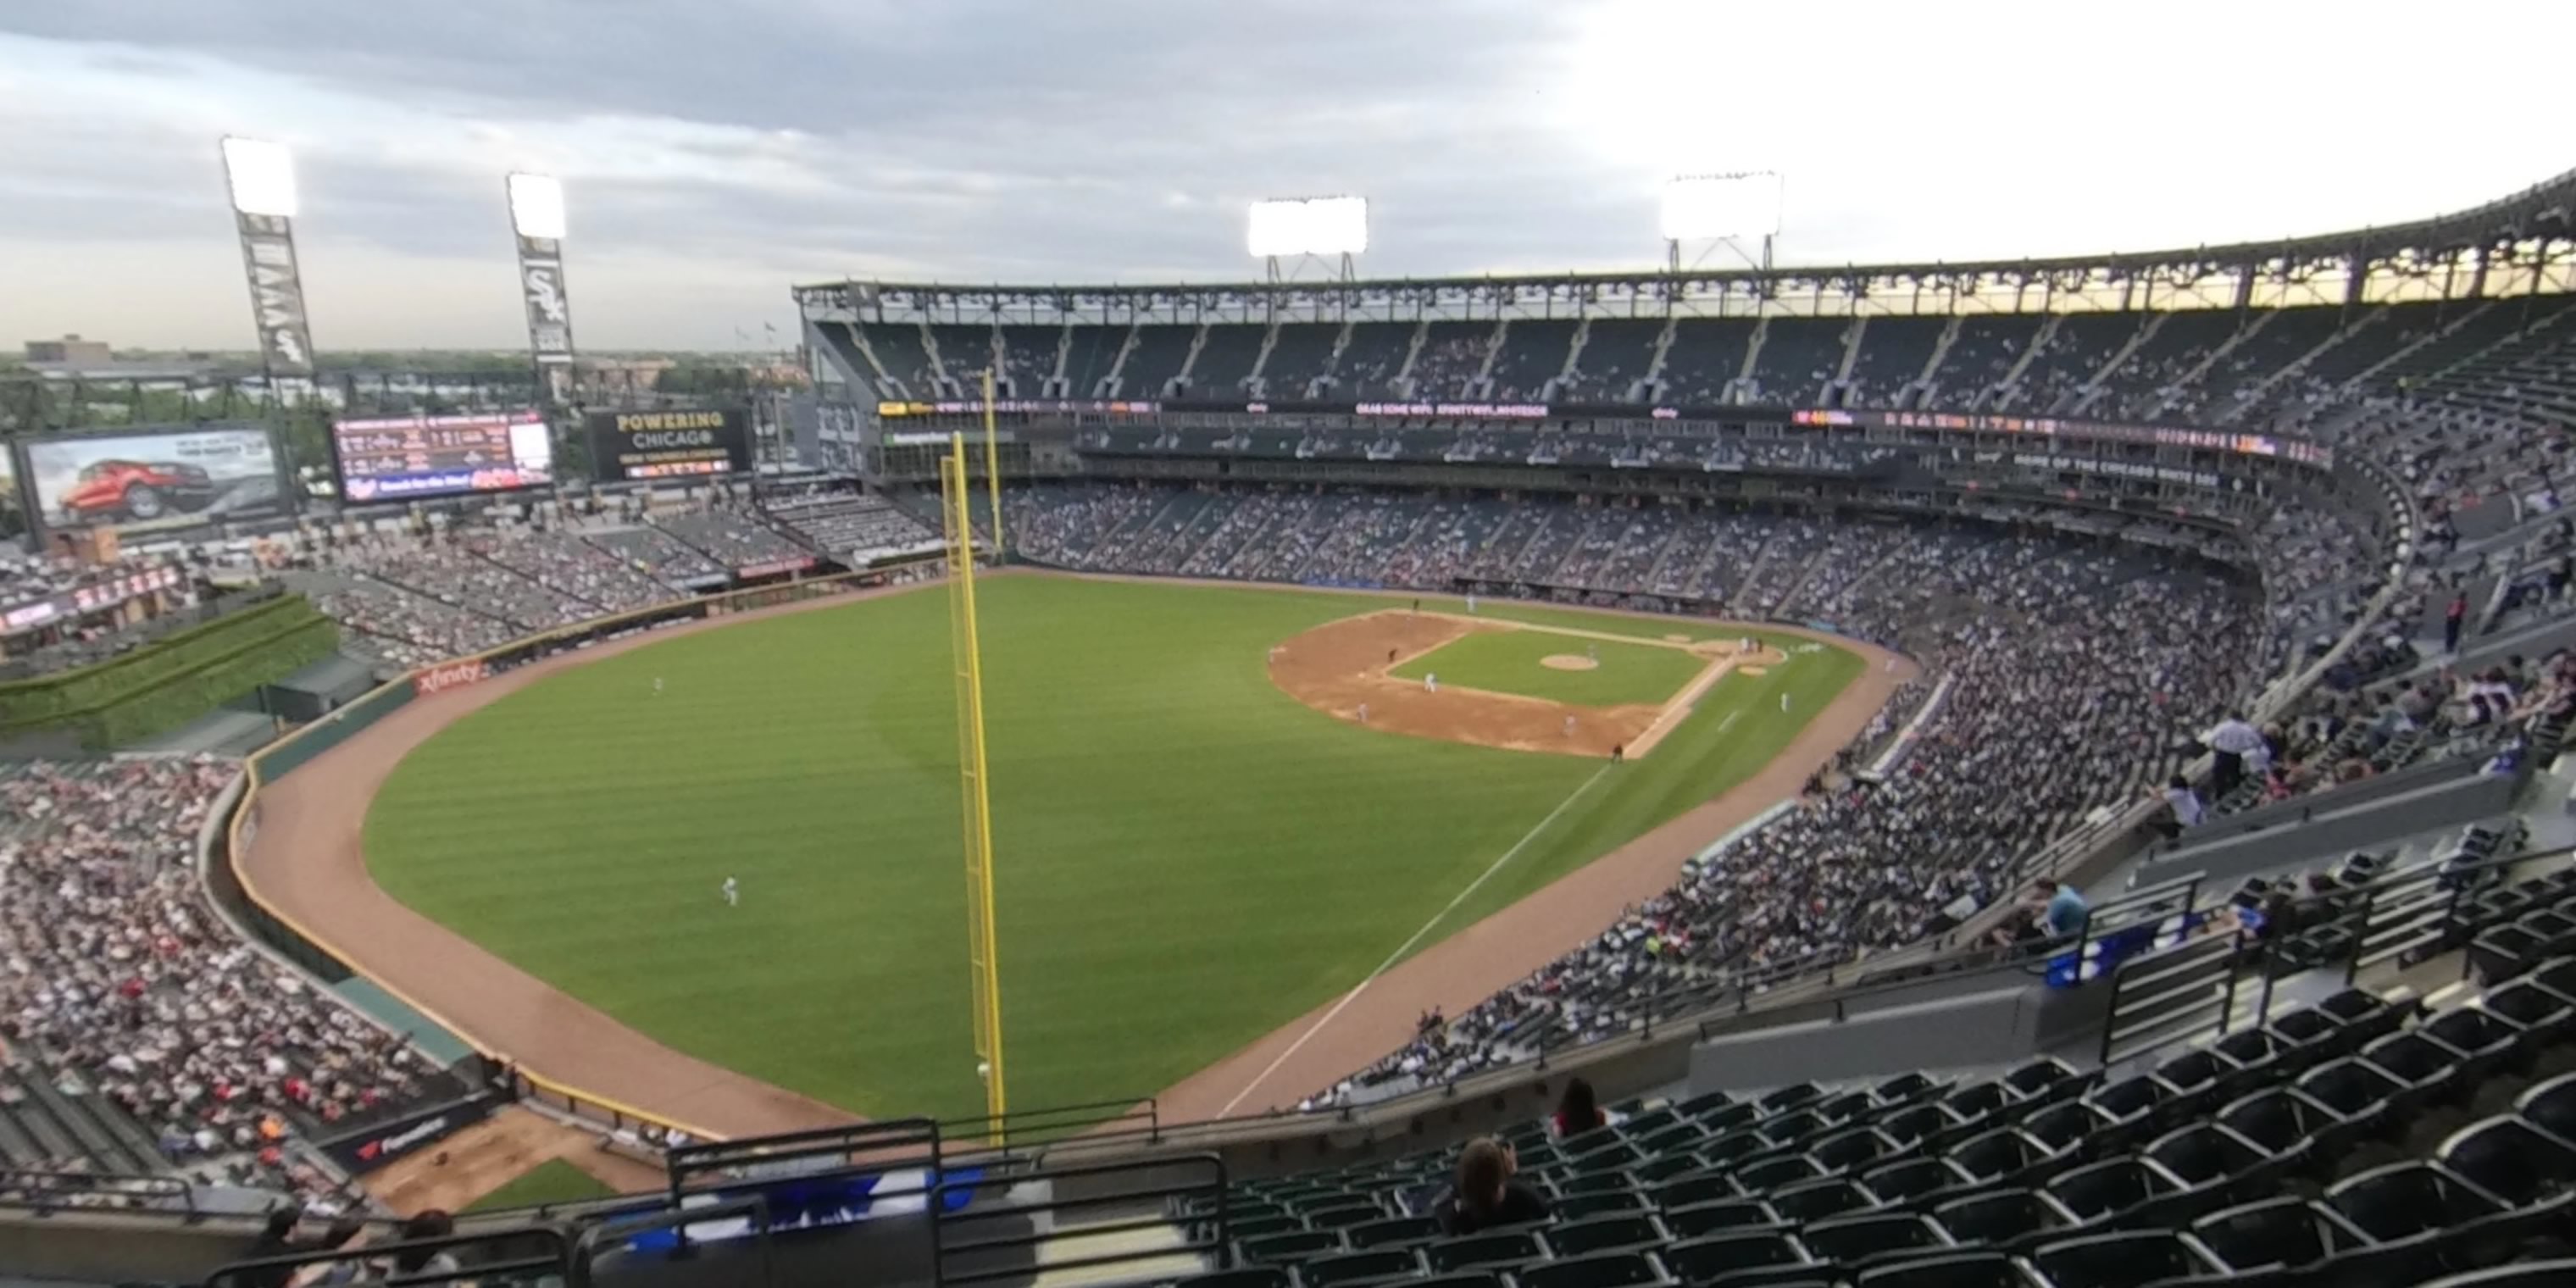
993,469
983,966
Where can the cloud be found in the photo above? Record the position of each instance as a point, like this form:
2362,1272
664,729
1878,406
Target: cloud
714,154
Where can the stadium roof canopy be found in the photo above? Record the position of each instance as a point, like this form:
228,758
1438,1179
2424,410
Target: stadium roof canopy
2514,232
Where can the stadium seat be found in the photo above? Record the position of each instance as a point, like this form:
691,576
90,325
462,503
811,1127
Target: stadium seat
2286,1231
2004,1219
2403,1200
2045,1079
2509,1158
1792,1128
2126,1190
1816,1200
1949,1270
1609,1270
2197,1074
1254,1227
2284,1124
1394,1232
1576,1207
1503,1250
2551,1106
1723,1215
1593,1183
1871,1238
2362,1094
1851,1149
1298,1245
2066,1127
1359,1268
1702,1260
1342,1215
2002,1157
1788,1097
2127,1259
1722,1118
1603,1234
1247,1277
1733,1147
2482,1041
1904,1089
2535,1274
1690,1191
2430,1070
1918,1124
2210,1159
1470,1279
2365,1015
1776,1173
1901,1184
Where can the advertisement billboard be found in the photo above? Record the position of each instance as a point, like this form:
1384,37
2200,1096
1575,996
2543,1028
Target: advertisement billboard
673,443
418,458
145,480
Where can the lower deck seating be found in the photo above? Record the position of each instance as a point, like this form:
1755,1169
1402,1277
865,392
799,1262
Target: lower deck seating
2360,1141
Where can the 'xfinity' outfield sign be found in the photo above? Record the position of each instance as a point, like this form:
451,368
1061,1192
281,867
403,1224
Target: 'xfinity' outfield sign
541,284
276,294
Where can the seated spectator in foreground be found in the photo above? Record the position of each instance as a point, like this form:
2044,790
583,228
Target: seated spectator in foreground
1485,1195
2062,910
1577,1112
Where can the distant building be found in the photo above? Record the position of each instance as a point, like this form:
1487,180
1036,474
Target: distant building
70,351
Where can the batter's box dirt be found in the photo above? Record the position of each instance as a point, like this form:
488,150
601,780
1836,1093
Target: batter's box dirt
1341,668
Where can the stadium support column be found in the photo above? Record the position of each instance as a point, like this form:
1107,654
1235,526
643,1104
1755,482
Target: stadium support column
956,492
993,471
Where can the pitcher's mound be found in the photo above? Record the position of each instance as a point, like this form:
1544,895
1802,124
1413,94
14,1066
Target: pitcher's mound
1568,662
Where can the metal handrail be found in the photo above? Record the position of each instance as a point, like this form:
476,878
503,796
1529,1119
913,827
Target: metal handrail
940,1245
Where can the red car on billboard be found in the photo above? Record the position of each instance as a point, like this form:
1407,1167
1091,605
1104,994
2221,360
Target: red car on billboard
109,490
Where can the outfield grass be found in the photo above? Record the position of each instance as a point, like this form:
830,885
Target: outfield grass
550,1182
1187,858
1509,662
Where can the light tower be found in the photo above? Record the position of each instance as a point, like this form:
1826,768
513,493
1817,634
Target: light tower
260,175
1330,230
1733,210
537,219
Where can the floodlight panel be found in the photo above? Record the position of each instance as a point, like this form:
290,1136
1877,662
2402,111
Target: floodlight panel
1307,226
1715,207
262,175
537,206
1338,225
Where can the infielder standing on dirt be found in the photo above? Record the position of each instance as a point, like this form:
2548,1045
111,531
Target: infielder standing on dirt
1430,682
1569,726
1363,713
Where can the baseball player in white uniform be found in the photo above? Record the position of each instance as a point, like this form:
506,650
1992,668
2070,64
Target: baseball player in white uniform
732,893
1430,682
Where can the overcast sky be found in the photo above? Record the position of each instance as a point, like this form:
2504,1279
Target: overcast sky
714,153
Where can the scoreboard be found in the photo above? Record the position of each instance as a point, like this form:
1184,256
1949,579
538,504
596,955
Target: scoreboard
411,458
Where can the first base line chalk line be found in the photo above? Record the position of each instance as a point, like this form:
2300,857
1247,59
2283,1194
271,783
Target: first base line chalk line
1427,927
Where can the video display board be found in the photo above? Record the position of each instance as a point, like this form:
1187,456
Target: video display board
151,479
419,458
677,442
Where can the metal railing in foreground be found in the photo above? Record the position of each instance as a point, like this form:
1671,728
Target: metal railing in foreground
526,1254
1088,1204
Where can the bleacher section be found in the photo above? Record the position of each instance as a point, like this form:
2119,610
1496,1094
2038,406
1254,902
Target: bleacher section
1799,357
1893,354
1155,358
1371,359
1298,358
854,530
2077,350
1617,352
1028,358
1981,355
1706,355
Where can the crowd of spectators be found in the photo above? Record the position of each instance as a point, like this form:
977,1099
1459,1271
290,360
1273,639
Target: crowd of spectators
117,980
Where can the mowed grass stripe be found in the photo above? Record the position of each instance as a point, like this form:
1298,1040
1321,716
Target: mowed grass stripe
1187,858
1512,662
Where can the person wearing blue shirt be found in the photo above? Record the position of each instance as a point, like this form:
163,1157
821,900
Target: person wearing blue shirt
2065,911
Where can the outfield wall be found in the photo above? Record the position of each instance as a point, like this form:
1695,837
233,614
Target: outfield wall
312,950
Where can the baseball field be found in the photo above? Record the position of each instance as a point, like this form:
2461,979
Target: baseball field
1214,809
